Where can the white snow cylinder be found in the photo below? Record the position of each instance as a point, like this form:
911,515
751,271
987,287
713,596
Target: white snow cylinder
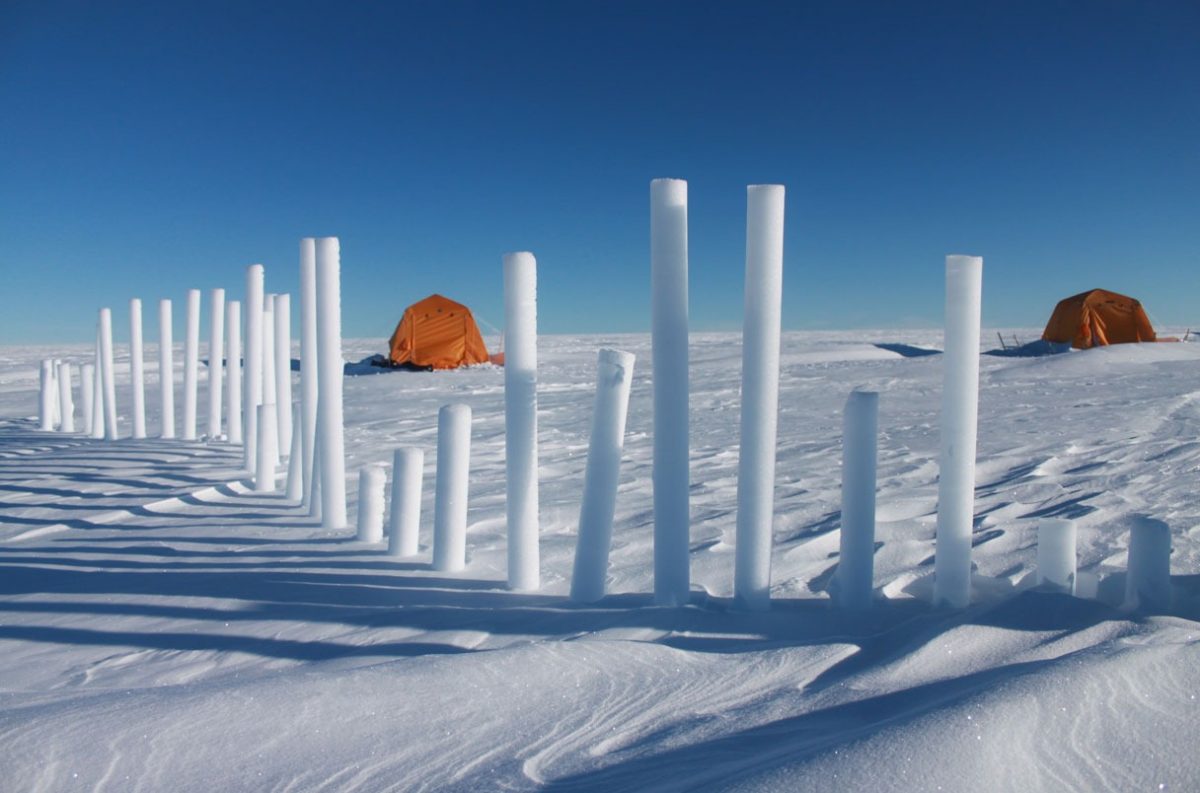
614,376
308,359
191,365
1056,555
166,369
137,374
252,367
450,497
330,368
404,521
669,359
295,491
66,403
314,501
268,369
282,312
760,395
87,385
960,408
520,419
1148,581
108,376
233,389
98,391
371,480
47,396
55,407
216,360
266,454
853,582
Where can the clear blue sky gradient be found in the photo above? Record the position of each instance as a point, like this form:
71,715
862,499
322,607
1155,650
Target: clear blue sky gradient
146,148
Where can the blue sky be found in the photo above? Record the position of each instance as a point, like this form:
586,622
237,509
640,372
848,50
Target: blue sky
146,148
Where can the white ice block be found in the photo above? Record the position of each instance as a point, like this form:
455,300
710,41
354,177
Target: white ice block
960,407
66,402
854,580
233,389
87,385
450,498
295,484
191,365
614,377
1056,555
371,481
331,372
404,519
252,308
308,359
108,376
166,369
1148,581
48,396
137,377
282,313
216,360
265,475
669,359
520,419
760,395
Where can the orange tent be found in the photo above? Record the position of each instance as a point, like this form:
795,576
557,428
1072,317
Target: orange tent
437,333
1098,317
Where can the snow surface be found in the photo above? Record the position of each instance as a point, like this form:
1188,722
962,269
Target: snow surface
164,628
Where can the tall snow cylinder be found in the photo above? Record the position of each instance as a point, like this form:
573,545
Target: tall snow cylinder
404,520
960,407
295,485
268,369
108,376
55,407
450,498
137,375
760,395
614,376
1056,555
283,368
520,419
330,369
854,579
669,357
371,481
265,452
87,386
216,360
166,369
47,396
98,391
66,403
191,364
233,389
308,359
1148,581
252,307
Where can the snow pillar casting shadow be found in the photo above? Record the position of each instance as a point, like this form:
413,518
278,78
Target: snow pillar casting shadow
66,403
268,370
308,360
960,410
1148,582
108,375
166,369
233,391
852,584
408,468
283,368
98,391
48,396
252,368
520,419
371,481
331,372
450,498
760,396
191,365
614,376
87,383
669,361
216,358
1056,555
266,453
295,490
137,378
